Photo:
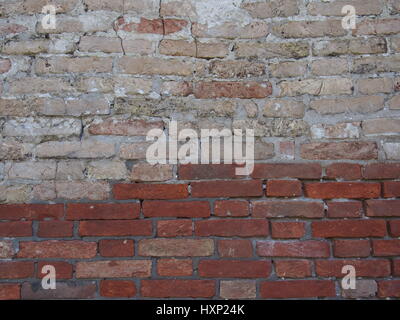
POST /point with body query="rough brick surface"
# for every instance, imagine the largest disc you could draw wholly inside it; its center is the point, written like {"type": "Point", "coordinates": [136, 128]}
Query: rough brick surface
{"type": "Point", "coordinates": [82, 188]}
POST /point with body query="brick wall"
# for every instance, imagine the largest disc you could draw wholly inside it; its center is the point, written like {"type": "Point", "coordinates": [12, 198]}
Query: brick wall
{"type": "Point", "coordinates": [76, 191]}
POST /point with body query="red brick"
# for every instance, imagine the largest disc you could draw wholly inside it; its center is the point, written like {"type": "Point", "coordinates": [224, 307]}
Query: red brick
{"type": "Point", "coordinates": [31, 211]}
{"type": "Point", "coordinates": [235, 248]}
{"type": "Point", "coordinates": [351, 248]}
{"type": "Point", "coordinates": [63, 269]}
{"type": "Point", "coordinates": [287, 230]}
{"type": "Point", "coordinates": [386, 248]}
{"type": "Point", "coordinates": [293, 268]}
{"type": "Point", "coordinates": [108, 228]}
{"type": "Point", "coordinates": [117, 288]}
{"type": "Point", "coordinates": [230, 89]}
{"type": "Point", "coordinates": [99, 211]}
{"type": "Point", "coordinates": [55, 229]}
{"type": "Point", "coordinates": [174, 228]}
{"type": "Point", "coordinates": [232, 228]}
{"type": "Point", "coordinates": [16, 269]}
{"type": "Point", "coordinates": [175, 267]}
{"type": "Point", "coordinates": [10, 291]}
{"type": "Point", "coordinates": [125, 191]}
{"type": "Point", "coordinates": [116, 248]}
{"type": "Point", "coordinates": [287, 170]}
{"type": "Point", "coordinates": [382, 171]}
{"type": "Point", "coordinates": [234, 269]}
{"type": "Point", "coordinates": [283, 188]}
{"type": "Point", "coordinates": [220, 189]}
{"type": "Point", "coordinates": [364, 268]}
{"type": "Point", "coordinates": [176, 247]}
{"type": "Point", "coordinates": [391, 189]}
{"type": "Point", "coordinates": [396, 267]}
{"type": "Point", "coordinates": [187, 209]}
{"type": "Point", "coordinates": [395, 228]}
{"type": "Point", "coordinates": [350, 190]}
{"type": "Point", "coordinates": [231, 208]}
{"type": "Point", "coordinates": [280, 209]}
{"type": "Point", "coordinates": [389, 288]}
{"type": "Point", "coordinates": [113, 269]}
{"type": "Point", "coordinates": [178, 288]}
{"type": "Point", "coordinates": [307, 248]}
{"type": "Point", "coordinates": [348, 209]}
{"type": "Point", "coordinates": [345, 171]}
{"type": "Point", "coordinates": [383, 208]}
{"type": "Point", "coordinates": [74, 249]}
{"type": "Point", "coordinates": [207, 171]}
{"type": "Point", "coordinates": [16, 229]}
{"type": "Point", "coordinates": [297, 289]}
{"type": "Point", "coordinates": [349, 228]}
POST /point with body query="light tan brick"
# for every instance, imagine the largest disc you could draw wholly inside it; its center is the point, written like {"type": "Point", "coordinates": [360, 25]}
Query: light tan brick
{"type": "Point", "coordinates": [298, 49]}
{"type": "Point", "coordinates": [334, 8]}
{"type": "Point", "coordinates": [382, 126]}
{"type": "Point", "coordinates": [148, 172]}
{"type": "Point", "coordinates": [32, 170]}
{"type": "Point", "coordinates": [74, 190]}
{"type": "Point", "coordinates": [282, 108]}
{"type": "Point", "coordinates": [337, 131]}
{"type": "Point", "coordinates": [350, 46]}
{"type": "Point", "coordinates": [375, 85]}
{"type": "Point", "coordinates": [75, 149]}
{"type": "Point", "coordinates": [287, 69]}
{"type": "Point", "coordinates": [316, 87]}
{"type": "Point", "coordinates": [309, 29]}
{"type": "Point", "coordinates": [107, 170]}
{"type": "Point", "coordinates": [329, 67]}
{"type": "Point", "coordinates": [74, 65]}
{"type": "Point", "coordinates": [271, 9]}
{"type": "Point", "coordinates": [362, 105]}
{"type": "Point", "coordinates": [231, 30]}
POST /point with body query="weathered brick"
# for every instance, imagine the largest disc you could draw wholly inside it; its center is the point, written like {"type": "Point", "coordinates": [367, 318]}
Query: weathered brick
{"type": "Point", "coordinates": [280, 209]}
{"type": "Point", "coordinates": [6, 249]}
{"type": "Point", "coordinates": [31, 211]}
{"type": "Point", "coordinates": [152, 66]}
{"type": "Point", "coordinates": [231, 228]}
{"type": "Point", "coordinates": [99, 228]}
{"type": "Point", "coordinates": [339, 150]}
{"type": "Point", "coordinates": [342, 130]}
{"type": "Point", "coordinates": [297, 289]}
{"type": "Point", "coordinates": [102, 211]}
{"type": "Point", "coordinates": [150, 191]}
{"type": "Point", "coordinates": [307, 248]}
{"type": "Point", "coordinates": [174, 228]}
{"type": "Point", "coordinates": [73, 249]}
{"type": "Point", "coordinates": [75, 190]}
{"type": "Point", "coordinates": [350, 190]}
{"type": "Point", "coordinates": [235, 248]}
{"type": "Point", "coordinates": [346, 171]}
{"type": "Point", "coordinates": [117, 288]}
{"type": "Point", "coordinates": [364, 268]}
{"type": "Point", "coordinates": [230, 30]}
{"type": "Point", "coordinates": [176, 247]}
{"type": "Point", "coordinates": [386, 248]}
{"type": "Point", "coordinates": [309, 29]}
{"type": "Point", "coordinates": [73, 65]}
{"type": "Point", "coordinates": [383, 208]}
{"type": "Point", "coordinates": [148, 172]}
{"type": "Point", "coordinates": [364, 289]}
{"type": "Point", "coordinates": [124, 127]}
{"type": "Point", "coordinates": [64, 270]}
{"type": "Point", "coordinates": [64, 290]}
{"type": "Point", "coordinates": [294, 50]}
{"type": "Point", "coordinates": [113, 269]}
{"type": "Point", "coordinates": [329, 67]}
{"type": "Point", "coordinates": [284, 109]}
{"type": "Point", "coordinates": [194, 49]}
{"type": "Point", "coordinates": [231, 208]}
{"type": "Point", "coordinates": [352, 46]}
{"type": "Point", "coordinates": [392, 150]}
{"type": "Point", "coordinates": [287, 170]}
{"type": "Point", "coordinates": [351, 105]}
{"type": "Point", "coordinates": [349, 228]}
{"type": "Point", "coordinates": [175, 267]}
{"type": "Point", "coordinates": [234, 269]}
{"type": "Point", "coordinates": [381, 126]}
{"type": "Point", "coordinates": [116, 248]}
{"type": "Point", "coordinates": [16, 269]}
{"type": "Point", "coordinates": [351, 248]}
{"type": "Point", "coordinates": [178, 288]}
{"type": "Point", "coordinates": [284, 188]}
{"type": "Point", "coordinates": [243, 90]}
{"type": "Point", "coordinates": [190, 209]}
{"type": "Point", "coordinates": [288, 230]}
{"type": "Point", "coordinates": [363, 7]}
{"type": "Point", "coordinates": [10, 291]}
{"type": "Point", "coordinates": [236, 69]}
{"type": "Point", "coordinates": [241, 289]}
{"type": "Point", "coordinates": [210, 189]}
{"type": "Point", "coordinates": [377, 27]}
{"type": "Point", "coordinates": [271, 9]}
{"type": "Point", "coordinates": [293, 268]}
{"type": "Point", "coordinates": [375, 85]}
{"type": "Point", "coordinates": [55, 229]}
{"type": "Point", "coordinates": [316, 87]}
{"type": "Point", "coordinates": [348, 209]}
